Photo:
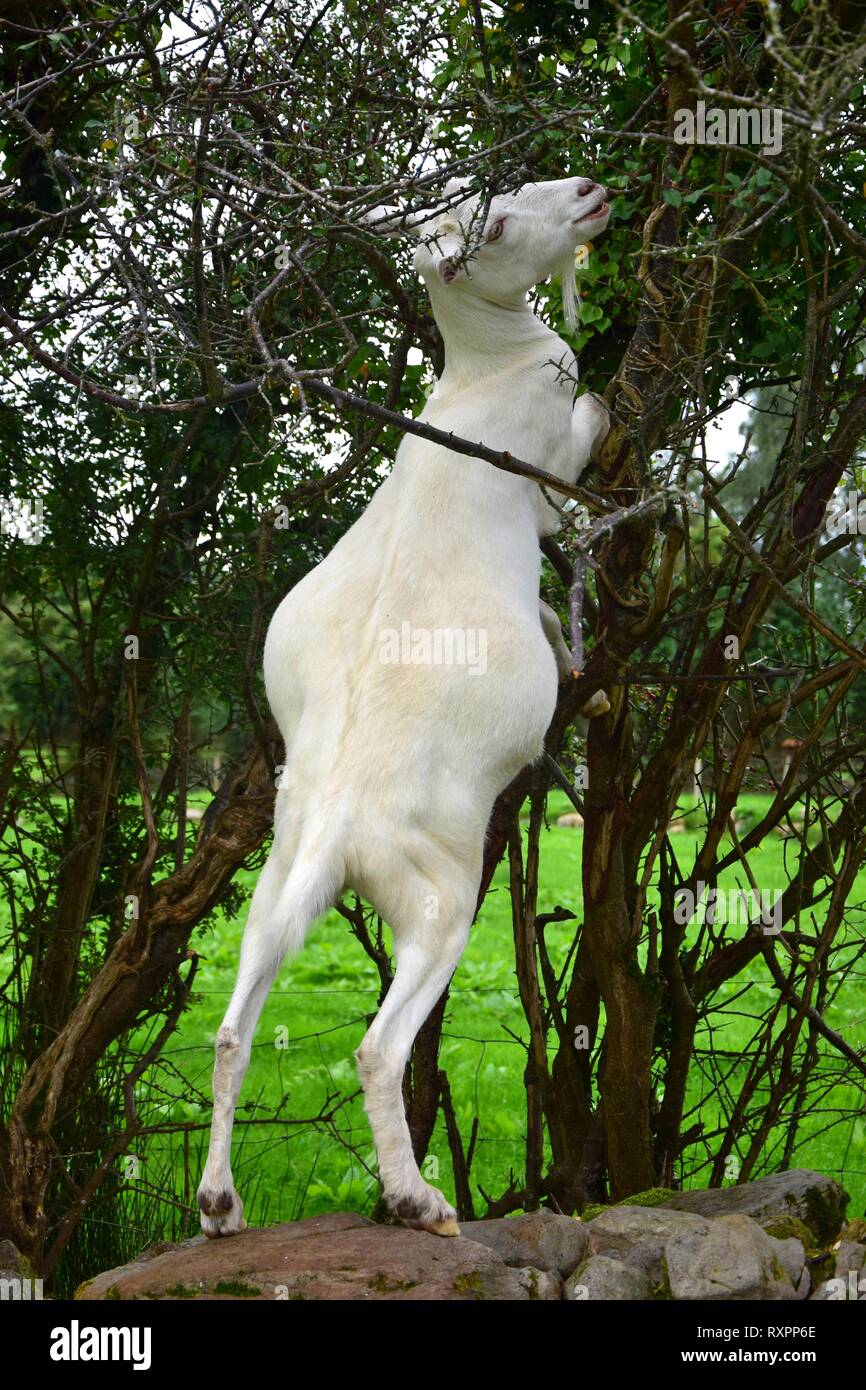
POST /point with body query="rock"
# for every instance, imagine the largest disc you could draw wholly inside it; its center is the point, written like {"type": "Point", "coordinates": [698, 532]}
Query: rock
{"type": "Point", "coordinates": [848, 1256]}
{"type": "Point", "coordinates": [599, 1277]}
{"type": "Point", "coordinates": [651, 1197]}
{"type": "Point", "coordinates": [637, 1235]}
{"type": "Point", "coordinates": [643, 1238]}
{"type": "Point", "coordinates": [791, 1256]}
{"type": "Point", "coordinates": [540, 1239]}
{"type": "Point", "coordinates": [573, 819]}
{"type": "Point", "coordinates": [13, 1264]}
{"type": "Point", "coordinates": [539, 1283]}
{"type": "Point", "coordinates": [338, 1256]}
{"type": "Point", "coordinates": [790, 1226]}
{"type": "Point", "coordinates": [817, 1201]}
{"type": "Point", "coordinates": [733, 1258]}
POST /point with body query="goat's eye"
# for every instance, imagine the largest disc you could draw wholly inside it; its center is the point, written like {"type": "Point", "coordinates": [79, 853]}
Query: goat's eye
{"type": "Point", "coordinates": [496, 230]}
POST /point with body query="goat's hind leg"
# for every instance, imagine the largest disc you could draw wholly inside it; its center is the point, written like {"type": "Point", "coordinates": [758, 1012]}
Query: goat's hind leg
{"type": "Point", "coordinates": [265, 943]}
{"type": "Point", "coordinates": [427, 954]}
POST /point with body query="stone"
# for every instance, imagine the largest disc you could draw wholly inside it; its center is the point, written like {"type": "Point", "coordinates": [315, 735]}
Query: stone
{"type": "Point", "coordinates": [13, 1264]}
{"type": "Point", "coordinates": [539, 1283]}
{"type": "Point", "coordinates": [600, 1278]}
{"type": "Point", "coordinates": [637, 1235]}
{"type": "Point", "coordinates": [733, 1258]}
{"type": "Point", "coordinates": [337, 1256]}
{"type": "Point", "coordinates": [791, 1256]}
{"type": "Point", "coordinates": [788, 1226]}
{"type": "Point", "coordinates": [848, 1256]}
{"type": "Point", "coordinates": [817, 1201]}
{"type": "Point", "coordinates": [572, 819]}
{"type": "Point", "coordinates": [540, 1239]}
{"type": "Point", "coordinates": [651, 1197]}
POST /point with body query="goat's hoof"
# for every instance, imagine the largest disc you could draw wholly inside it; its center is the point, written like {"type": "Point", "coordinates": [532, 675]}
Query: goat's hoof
{"type": "Point", "coordinates": [222, 1212]}
{"type": "Point", "coordinates": [450, 1227]}
{"type": "Point", "coordinates": [428, 1211]}
{"type": "Point", "coordinates": [599, 704]}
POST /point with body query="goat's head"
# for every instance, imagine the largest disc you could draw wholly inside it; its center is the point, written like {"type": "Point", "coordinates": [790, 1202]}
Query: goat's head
{"type": "Point", "coordinates": [500, 251]}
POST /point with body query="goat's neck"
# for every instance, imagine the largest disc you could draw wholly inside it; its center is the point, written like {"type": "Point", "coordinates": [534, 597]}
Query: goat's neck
{"type": "Point", "coordinates": [483, 338]}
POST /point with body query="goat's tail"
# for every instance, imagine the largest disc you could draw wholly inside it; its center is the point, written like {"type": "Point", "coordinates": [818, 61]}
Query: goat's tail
{"type": "Point", "coordinates": [313, 884]}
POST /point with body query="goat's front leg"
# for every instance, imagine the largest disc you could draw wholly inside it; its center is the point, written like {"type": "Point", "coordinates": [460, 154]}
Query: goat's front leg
{"type": "Point", "coordinates": [599, 703]}
{"type": "Point", "coordinates": [590, 426]}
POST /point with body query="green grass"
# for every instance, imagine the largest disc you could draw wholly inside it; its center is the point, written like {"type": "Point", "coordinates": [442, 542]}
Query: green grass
{"type": "Point", "coordinates": [318, 1007]}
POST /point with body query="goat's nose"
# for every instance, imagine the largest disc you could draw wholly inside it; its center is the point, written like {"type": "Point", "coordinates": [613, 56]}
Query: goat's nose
{"type": "Point", "coordinates": [584, 186]}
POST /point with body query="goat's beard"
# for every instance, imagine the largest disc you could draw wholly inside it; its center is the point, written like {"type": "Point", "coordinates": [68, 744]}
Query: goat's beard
{"type": "Point", "coordinates": [570, 296]}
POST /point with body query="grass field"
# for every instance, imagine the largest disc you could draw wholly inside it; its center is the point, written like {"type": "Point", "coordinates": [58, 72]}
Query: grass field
{"type": "Point", "coordinates": [317, 1010]}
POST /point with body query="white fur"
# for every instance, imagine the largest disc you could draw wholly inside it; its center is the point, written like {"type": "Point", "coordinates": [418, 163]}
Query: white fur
{"type": "Point", "coordinates": [392, 767]}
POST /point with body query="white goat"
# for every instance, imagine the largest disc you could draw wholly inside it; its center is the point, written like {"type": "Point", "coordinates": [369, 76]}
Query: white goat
{"type": "Point", "coordinates": [394, 758]}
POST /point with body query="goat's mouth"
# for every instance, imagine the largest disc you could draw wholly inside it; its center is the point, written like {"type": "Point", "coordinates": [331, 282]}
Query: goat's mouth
{"type": "Point", "coordinates": [602, 210]}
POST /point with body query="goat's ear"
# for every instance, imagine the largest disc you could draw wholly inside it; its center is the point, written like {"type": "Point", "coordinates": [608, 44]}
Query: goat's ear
{"type": "Point", "coordinates": [385, 219]}
{"type": "Point", "coordinates": [394, 221]}
{"type": "Point", "coordinates": [454, 186]}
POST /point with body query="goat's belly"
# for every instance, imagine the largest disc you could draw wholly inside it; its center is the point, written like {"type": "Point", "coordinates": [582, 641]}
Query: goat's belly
{"type": "Point", "coordinates": [467, 683]}
{"type": "Point", "coordinates": [483, 718]}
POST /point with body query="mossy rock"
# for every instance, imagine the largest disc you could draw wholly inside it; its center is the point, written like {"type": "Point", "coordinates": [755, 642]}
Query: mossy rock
{"type": "Point", "coordinates": [824, 1215]}
{"type": "Point", "coordinates": [653, 1197]}
{"type": "Point", "coordinates": [822, 1267]}
{"type": "Point", "coordinates": [236, 1288]}
{"type": "Point", "coordinates": [855, 1230]}
{"type": "Point", "coordinates": [791, 1227]}
{"type": "Point", "coordinates": [15, 1265]}
{"type": "Point", "coordinates": [470, 1284]}
{"type": "Point", "coordinates": [662, 1289]}
{"type": "Point", "coordinates": [383, 1283]}
{"type": "Point", "coordinates": [812, 1198]}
